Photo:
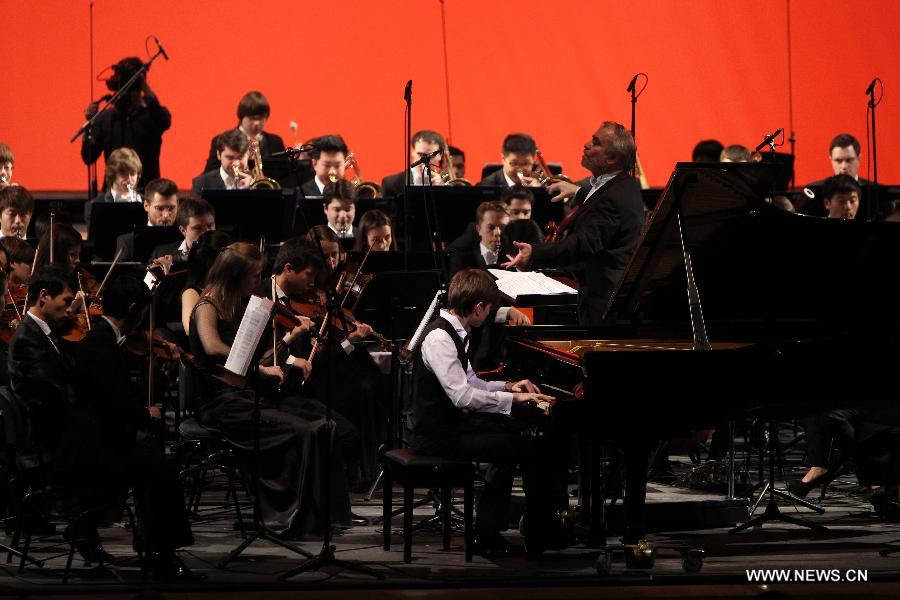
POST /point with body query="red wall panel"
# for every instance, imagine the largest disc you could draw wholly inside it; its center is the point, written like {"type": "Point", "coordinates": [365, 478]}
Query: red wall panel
{"type": "Point", "coordinates": [553, 69]}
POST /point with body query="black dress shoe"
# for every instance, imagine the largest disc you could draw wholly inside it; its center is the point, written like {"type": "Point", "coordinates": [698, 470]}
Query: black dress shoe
{"type": "Point", "coordinates": [357, 520]}
{"type": "Point", "coordinates": [172, 569]}
{"type": "Point", "coordinates": [89, 547]}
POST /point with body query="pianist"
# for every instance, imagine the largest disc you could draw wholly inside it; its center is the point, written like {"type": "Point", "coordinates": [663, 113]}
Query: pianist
{"type": "Point", "coordinates": [455, 414]}
{"type": "Point", "coordinates": [598, 236]}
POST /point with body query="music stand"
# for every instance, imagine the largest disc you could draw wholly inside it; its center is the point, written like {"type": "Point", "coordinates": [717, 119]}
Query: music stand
{"type": "Point", "coordinates": [109, 220]}
{"type": "Point", "coordinates": [288, 173]}
{"type": "Point", "coordinates": [455, 207]}
{"type": "Point", "coordinates": [146, 238]}
{"type": "Point", "coordinates": [249, 214]}
{"type": "Point", "coordinates": [393, 301]}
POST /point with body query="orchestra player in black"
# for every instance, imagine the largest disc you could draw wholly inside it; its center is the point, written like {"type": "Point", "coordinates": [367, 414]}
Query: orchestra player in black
{"type": "Point", "coordinates": [600, 233]}
{"type": "Point", "coordinates": [455, 414]}
{"type": "Point", "coordinates": [252, 113]}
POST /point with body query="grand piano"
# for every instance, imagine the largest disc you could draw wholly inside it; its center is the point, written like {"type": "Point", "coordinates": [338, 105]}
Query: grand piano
{"type": "Point", "coordinates": [786, 312]}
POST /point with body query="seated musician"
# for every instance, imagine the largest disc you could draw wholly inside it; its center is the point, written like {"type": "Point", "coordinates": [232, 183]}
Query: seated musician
{"type": "Point", "coordinates": [842, 195]}
{"type": "Point", "coordinates": [288, 472]}
{"type": "Point", "coordinates": [599, 235]}
{"type": "Point", "coordinates": [161, 204]}
{"type": "Point", "coordinates": [201, 257]}
{"type": "Point", "coordinates": [521, 226]}
{"type": "Point", "coordinates": [458, 158]}
{"type": "Point", "coordinates": [479, 247]}
{"type": "Point", "coordinates": [231, 173]}
{"type": "Point", "coordinates": [454, 415]}
{"type": "Point", "coordinates": [67, 256]}
{"type": "Point", "coordinates": [518, 159]}
{"type": "Point", "coordinates": [16, 208]}
{"type": "Point", "coordinates": [253, 114]}
{"type": "Point", "coordinates": [339, 204]}
{"type": "Point", "coordinates": [421, 144]}
{"type": "Point", "coordinates": [707, 151]}
{"type": "Point", "coordinates": [195, 217]}
{"type": "Point", "coordinates": [7, 164]}
{"type": "Point", "coordinates": [374, 232]}
{"type": "Point", "coordinates": [844, 155]}
{"type": "Point", "coordinates": [118, 450]}
{"type": "Point", "coordinates": [123, 170]}
{"type": "Point", "coordinates": [329, 154]}
{"type": "Point", "coordinates": [735, 153]}
{"type": "Point", "coordinates": [332, 252]}
{"type": "Point", "coordinates": [20, 257]}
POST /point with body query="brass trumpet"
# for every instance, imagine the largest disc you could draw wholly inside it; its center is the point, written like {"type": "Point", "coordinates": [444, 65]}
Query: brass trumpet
{"type": "Point", "coordinates": [542, 171]}
{"type": "Point", "coordinates": [448, 173]}
{"type": "Point", "coordinates": [364, 189]}
{"type": "Point", "coordinates": [260, 181]}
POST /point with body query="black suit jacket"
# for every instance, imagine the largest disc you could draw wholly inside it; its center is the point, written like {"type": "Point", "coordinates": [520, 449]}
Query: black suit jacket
{"type": "Point", "coordinates": [497, 178]}
{"type": "Point", "coordinates": [598, 244]}
{"type": "Point", "coordinates": [310, 188]}
{"type": "Point", "coordinates": [165, 249]}
{"type": "Point", "coordinates": [211, 180]}
{"type": "Point", "coordinates": [269, 144]}
{"type": "Point", "coordinates": [41, 379]}
{"type": "Point", "coordinates": [394, 185]}
{"type": "Point", "coordinates": [816, 206]}
{"type": "Point", "coordinates": [465, 251]}
{"type": "Point", "coordinates": [125, 243]}
{"type": "Point", "coordinates": [103, 387]}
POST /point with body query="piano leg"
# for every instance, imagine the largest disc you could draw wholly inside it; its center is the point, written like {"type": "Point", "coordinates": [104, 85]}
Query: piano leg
{"type": "Point", "coordinates": [636, 463]}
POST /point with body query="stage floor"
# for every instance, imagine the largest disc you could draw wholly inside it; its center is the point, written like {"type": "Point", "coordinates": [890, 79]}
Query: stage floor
{"type": "Point", "coordinates": [853, 542]}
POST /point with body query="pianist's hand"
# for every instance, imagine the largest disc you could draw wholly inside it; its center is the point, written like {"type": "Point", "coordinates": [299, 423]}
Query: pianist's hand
{"type": "Point", "coordinates": [523, 385]}
{"type": "Point", "coordinates": [521, 259]}
{"type": "Point", "coordinates": [528, 397]}
{"type": "Point", "coordinates": [517, 317]}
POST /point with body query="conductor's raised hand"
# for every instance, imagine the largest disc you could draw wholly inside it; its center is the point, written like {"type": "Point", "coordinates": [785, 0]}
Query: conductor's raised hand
{"type": "Point", "coordinates": [562, 190]}
{"type": "Point", "coordinates": [521, 259]}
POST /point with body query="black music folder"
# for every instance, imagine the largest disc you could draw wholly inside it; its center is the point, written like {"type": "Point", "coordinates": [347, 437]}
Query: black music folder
{"type": "Point", "coordinates": [109, 220]}
{"type": "Point", "coordinates": [249, 214]}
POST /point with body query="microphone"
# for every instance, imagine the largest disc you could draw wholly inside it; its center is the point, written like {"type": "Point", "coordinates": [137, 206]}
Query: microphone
{"type": "Point", "coordinates": [871, 86]}
{"type": "Point", "coordinates": [426, 158]}
{"type": "Point", "coordinates": [633, 81]}
{"type": "Point", "coordinates": [295, 151]}
{"type": "Point", "coordinates": [407, 92]}
{"type": "Point", "coordinates": [769, 139]}
{"type": "Point", "coordinates": [161, 49]}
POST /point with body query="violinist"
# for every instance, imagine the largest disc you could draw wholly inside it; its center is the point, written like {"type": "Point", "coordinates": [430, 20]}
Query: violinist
{"type": "Point", "coordinates": [332, 251]}
{"type": "Point", "coordinates": [200, 258]}
{"type": "Point", "coordinates": [288, 470]}
{"type": "Point", "coordinates": [118, 447]}
{"type": "Point", "coordinates": [16, 208]}
{"type": "Point", "coordinates": [67, 255]}
{"type": "Point", "coordinates": [195, 217]}
{"type": "Point", "coordinates": [375, 232]}
{"type": "Point", "coordinates": [20, 256]}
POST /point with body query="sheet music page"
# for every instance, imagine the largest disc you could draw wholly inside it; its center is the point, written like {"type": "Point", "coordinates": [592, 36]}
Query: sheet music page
{"type": "Point", "coordinates": [254, 322]}
{"type": "Point", "coordinates": [530, 283]}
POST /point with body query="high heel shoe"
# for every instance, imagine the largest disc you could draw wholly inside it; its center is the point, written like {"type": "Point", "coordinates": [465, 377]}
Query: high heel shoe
{"type": "Point", "coordinates": [801, 489]}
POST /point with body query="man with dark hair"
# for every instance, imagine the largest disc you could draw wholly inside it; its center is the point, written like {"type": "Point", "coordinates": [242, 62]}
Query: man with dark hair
{"type": "Point", "coordinates": [842, 194]}
{"type": "Point", "coordinates": [195, 217]}
{"type": "Point", "coordinates": [232, 152]}
{"type": "Point", "coordinates": [137, 121]}
{"type": "Point", "coordinates": [453, 416]}
{"type": "Point", "coordinates": [707, 151]}
{"type": "Point", "coordinates": [16, 208]}
{"type": "Point", "coordinates": [599, 235]}
{"type": "Point", "coordinates": [252, 113]}
{"type": "Point", "coordinates": [339, 204]}
{"type": "Point", "coordinates": [480, 247]}
{"type": "Point", "coordinates": [117, 449]}
{"type": "Point", "coordinates": [20, 257]}
{"type": "Point", "coordinates": [518, 157]}
{"type": "Point", "coordinates": [421, 144]}
{"type": "Point", "coordinates": [329, 154]}
{"type": "Point", "coordinates": [520, 201]}
{"type": "Point", "coordinates": [161, 204]}
{"type": "Point", "coordinates": [844, 154]}
{"type": "Point", "coordinates": [458, 158]}
{"type": "Point", "coordinates": [735, 153]}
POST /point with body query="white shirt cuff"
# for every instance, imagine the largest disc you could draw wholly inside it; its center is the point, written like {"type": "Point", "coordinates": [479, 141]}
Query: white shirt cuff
{"type": "Point", "coordinates": [347, 345]}
{"type": "Point", "coordinates": [502, 314]}
{"type": "Point", "coordinates": [504, 402]}
{"type": "Point", "coordinates": [291, 359]}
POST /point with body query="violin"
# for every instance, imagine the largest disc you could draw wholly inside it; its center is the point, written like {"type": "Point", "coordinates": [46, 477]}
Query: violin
{"type": "Point", "coordinates": [140, 344]}
{"type": "Point", "coordinates": [344, 323]}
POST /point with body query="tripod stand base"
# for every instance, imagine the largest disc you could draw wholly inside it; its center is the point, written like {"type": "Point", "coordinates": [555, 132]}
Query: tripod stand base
{"type": "Point", "coordinates": [326, 559]}
{"type": "Point", "coordinates": [262, 534]}
{"type": "Point", "coordinates": [773, 513]}
{"type": "Point", "coordinates": [769, 488]}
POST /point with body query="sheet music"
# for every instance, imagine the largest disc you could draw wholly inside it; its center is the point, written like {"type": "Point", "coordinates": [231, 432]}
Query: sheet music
{"type": "Point", "coordinates": [514, 284]}
{"type": "Point", "coordinates": [255, 319]}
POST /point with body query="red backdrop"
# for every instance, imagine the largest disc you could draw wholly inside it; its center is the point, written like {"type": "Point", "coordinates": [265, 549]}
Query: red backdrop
{"type": "Point", "coordinates": [718, 69]}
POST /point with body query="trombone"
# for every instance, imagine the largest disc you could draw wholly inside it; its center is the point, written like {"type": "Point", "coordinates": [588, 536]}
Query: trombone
{"type": "Point", "coordinates": [448, 173]}
{"type": "Point", "coordinates": [364, 189]}
{"type": "Point", "coordinates": [259, 181]}
{"type": "Point", "coordinates": [542, 171]}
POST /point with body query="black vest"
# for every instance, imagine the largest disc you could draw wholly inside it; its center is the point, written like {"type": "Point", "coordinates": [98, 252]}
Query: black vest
{"type": "Point", "coordinates": [433, 413]}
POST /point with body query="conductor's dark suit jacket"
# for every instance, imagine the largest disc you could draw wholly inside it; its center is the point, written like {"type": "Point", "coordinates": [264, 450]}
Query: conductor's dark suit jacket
{"type": "Point", "coordinates": [598, 244]}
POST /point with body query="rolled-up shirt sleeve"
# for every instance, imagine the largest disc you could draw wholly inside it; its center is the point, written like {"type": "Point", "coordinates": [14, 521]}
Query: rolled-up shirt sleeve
{"type": "Point", "coordinates": [464, 388]}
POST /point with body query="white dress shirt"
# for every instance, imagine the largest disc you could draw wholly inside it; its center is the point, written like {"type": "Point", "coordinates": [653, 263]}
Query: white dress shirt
{"type": "Point", "coordinates": [230, 183]}
{"type": "Point", "coordinates": [350, 233]}
{"type": "Point", "coordinates": [319, 185]}
{"type": "Point", "coordinates": [599, 182]}
{"type": "Point", "coordinates": [464, 388]}
{"type": "Point", "coordinates": [45, 328]}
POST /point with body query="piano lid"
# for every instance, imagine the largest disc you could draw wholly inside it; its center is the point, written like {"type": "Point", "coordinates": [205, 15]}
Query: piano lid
{"type": "Point", "coordinates": [753, 261]}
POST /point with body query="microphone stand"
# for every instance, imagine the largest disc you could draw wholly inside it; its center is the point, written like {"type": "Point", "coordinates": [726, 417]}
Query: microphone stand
{"type": "Point", "coordinates": [407, 132]}
{"type": "Point", "coordinates": [874, 197]}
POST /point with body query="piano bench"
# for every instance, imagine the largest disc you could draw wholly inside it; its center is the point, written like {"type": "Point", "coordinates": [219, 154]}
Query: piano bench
{"type": "Point", "coordinates": [411, 470]}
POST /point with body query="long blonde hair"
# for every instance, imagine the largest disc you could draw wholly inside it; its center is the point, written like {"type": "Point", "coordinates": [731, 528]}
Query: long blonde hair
{"type": "Point", "coordinates": [231, 268]}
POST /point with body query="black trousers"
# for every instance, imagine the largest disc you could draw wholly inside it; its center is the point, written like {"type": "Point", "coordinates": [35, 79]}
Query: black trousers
{"type": "Point", "coordinates": [499, 442]}
{"type": "Point", "coordinates": [827, 430]}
